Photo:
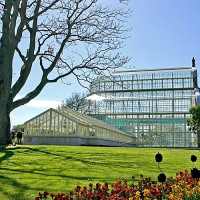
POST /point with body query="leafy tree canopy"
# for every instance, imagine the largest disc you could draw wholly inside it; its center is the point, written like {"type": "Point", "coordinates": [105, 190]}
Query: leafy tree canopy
{"type": "Point", "coordinates": [194, 122]}
{"type": "Point", "coordinates": [18, 127]}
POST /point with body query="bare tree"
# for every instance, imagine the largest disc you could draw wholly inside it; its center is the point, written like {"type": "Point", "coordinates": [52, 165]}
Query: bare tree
{"type": "Point", "coordinates": [74, 37]}
{"type": "Point", "coordinates": [75, 101]}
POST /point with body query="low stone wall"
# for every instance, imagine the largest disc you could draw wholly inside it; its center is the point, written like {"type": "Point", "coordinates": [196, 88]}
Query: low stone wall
{"type": "Point", "coordinates": [72, 140]}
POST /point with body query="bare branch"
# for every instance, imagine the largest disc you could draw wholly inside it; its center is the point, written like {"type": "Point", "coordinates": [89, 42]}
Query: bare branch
{"type": "Point", "coordinates": [75, 101]}
{"type": "Point", "coordinates": [43, 11]}
{"type": "Point", "coordinates": [53, 27]}
{"type": "Point", "coordinates": [21, 55]}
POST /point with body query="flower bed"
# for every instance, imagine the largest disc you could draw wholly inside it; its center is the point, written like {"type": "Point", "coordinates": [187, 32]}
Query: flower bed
{"type": "Point", "coordinates": [184, 186]}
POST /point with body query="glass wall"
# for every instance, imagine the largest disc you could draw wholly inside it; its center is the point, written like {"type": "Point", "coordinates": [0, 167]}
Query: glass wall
{"type": "Point", "coordinates": [152, 105]}
{"type": "Point", "coordinates": [69, 122]}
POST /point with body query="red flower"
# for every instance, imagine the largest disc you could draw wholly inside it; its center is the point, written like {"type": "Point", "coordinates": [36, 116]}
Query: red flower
{"type": "Point", "coordinates": [112, 191]}
{"type": "Point", "coordinates": [119, 191]}
{"type": "Point", "coordinates": [181, 173]}
{"type": "Point", "coordinates": [90, 185]}
{"type": "Point", "coordinates": [52, 195]}
{"type": "Point", "coordinates": [84, 188]}
{"type": "Point", "coordinates": [148, 179]}
{"type": "Point", "coordinates": [98, 186]}
{"type": "Point", "coordinates": [89, 195]}
{"type": "Point", "coordinates": [77, 189]}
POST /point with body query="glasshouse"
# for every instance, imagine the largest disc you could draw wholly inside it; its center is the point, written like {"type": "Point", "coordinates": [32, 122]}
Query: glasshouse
{"type": "Point", "coordinates": [68, 127]}
{"type": "Point", "coordinates": [151, 105]}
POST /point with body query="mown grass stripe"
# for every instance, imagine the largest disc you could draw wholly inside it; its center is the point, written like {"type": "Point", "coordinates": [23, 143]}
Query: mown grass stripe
{"type": "Point", "coordinates": [27, 170]}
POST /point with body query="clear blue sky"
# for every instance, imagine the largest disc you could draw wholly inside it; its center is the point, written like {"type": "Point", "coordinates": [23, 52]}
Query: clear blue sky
{"type": "Point", "coordinates": [165, 34]}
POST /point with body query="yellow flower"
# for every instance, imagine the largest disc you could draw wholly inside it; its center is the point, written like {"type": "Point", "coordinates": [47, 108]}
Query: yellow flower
{"type": "Point", "coordinates": [137, 194]}
{"type": "Point", "coordinates": [146, 192]}
{"type": "Point", "coordinates": [171, 197]}
{"type": "Point", "coordinates": [177, 189]}
{"type": "Point", "coordinates": [188, 187]}
{"type": "Point", "coordinates": [181, 195]}
{"type": "Point", "coordinates": [182, 183]}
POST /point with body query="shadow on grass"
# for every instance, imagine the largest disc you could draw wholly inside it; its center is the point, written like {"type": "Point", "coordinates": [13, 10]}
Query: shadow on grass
{"type": "Point", "coordinates": [80, 157]}
{"type": "Point", "coordinates": [14, 189]}
{"type": "Point", "coordinates": [7, 154]}
{"type": "Point", "coordinates": [62, 176]}
{"type": "Point", "coordinates": [18, 193]}
{"type": "Point", "coordinates": [11, 188]}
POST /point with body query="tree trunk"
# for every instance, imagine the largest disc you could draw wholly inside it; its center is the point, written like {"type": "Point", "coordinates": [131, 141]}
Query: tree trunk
{"type": "Point", "coordinates": [5, 104]}
{"type": "Point", "coordinates": [4, 127]}
{"type": "Point", "coordinates": [5, 95]}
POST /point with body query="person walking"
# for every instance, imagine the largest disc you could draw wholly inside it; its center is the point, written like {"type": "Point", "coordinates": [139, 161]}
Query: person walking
{"type": "Point", "coordinates": [13, 137]}
{"type": "Point", "coordinates": [19, 137]}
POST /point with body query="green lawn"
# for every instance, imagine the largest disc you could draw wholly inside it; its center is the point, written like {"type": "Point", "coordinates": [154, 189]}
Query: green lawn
{"type": "Point", "coordinates": [26, 170]}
